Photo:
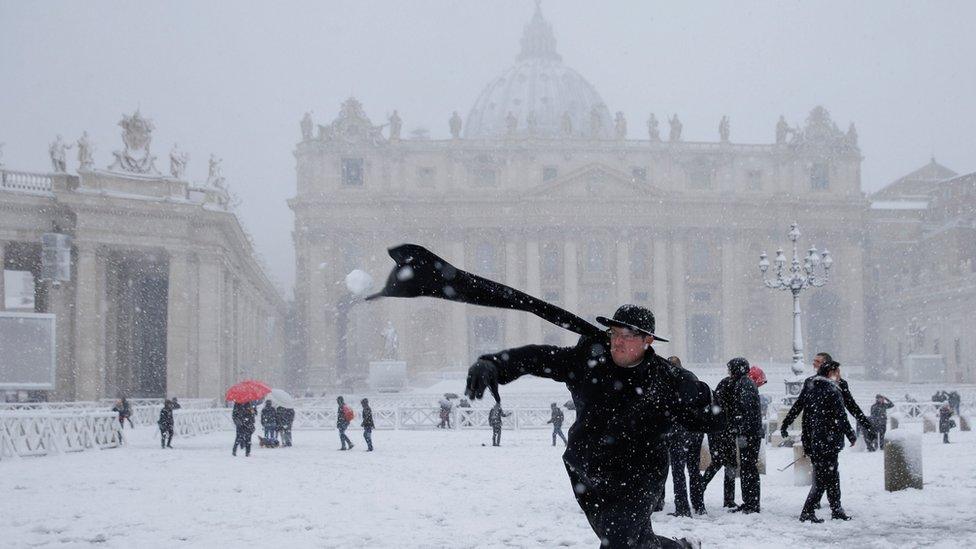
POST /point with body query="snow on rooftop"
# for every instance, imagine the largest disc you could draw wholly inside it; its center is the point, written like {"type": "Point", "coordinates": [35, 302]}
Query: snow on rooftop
{"type": "Point", "coordinates": [899, 205]}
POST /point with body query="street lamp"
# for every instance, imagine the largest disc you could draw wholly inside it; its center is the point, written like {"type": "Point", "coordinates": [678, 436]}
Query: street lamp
{"type": "Point", "coordinates": [814, 271]}
{"type": "Point", "coordinates": [358, 284]}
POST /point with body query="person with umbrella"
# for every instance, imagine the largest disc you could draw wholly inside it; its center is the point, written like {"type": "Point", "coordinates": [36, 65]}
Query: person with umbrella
{"type": "Point", "coordinates": [244, 395]}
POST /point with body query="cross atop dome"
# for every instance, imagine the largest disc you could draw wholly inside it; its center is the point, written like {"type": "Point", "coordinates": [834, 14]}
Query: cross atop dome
{"type": "Point", "coordinates": [538, 40]}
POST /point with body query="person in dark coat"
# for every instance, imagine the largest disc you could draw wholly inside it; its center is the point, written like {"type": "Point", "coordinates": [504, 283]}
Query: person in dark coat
{"type": "Point", "coordinates": [684, 449]}
{"type": "Point", "coordinates": [284, 417]}
{"type": "Point", "coordinates": [722, 450]}
{"type": "Point", "coordinates": [368, 424]}
{"type": "Point", "coordinates": [124, 410]}
{"type": "Point", "coordinates": [175, 403]}
{"type": "Point", "coordinates": [342, 423]}
{"type": "Point", "coordinates": [824, 427]}
{"type": "Point", "coordinates": [945, 422]}
{"type": "Point", "coordinates": [165, 423]}
{"type": "Point", "coordinates": [955, 401]}
{"type": "Point", "coordinates": [557, 424]}
{"type": "Point", "coordinates": [495, 420]}
{"type": "Point", "coordinates": [626, 398]}
{"type": "Point", "coordinates": [744, 414]}
{"type": "Point", "coordinates": [269, 422]}
{"type": "Point", "coordinates": [879, 418]}
{"type": "Point", "coordinates": [243, 416]}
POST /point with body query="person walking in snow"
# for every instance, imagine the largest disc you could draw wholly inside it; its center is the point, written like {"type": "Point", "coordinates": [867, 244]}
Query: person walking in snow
{"type": "Point", "coordinates": [445, 413]}
{"type": "Point", "coordinates": [344, 417]}
{"type": "Point", "coordinates": [879, 418]}
{"type": "Point", "coordinates": [269, 422]}
{"type": "Point", "coordinates": [945, 422]}
{"type": "Point", "coordinates": [124, 410]}
{"type": "Point", "coordinates": [824, 426]}
{"type": "Point", "coordinates": [368, 424]}
{"type": "Point", "coordinates": [165, 423]}
{"type": "Point", "coordinates": [557, 423]}
{"type": "Point", "coordinates": [684, 449]}
{"type": "Point", "coordinates": [722, 450]}
{"type": "Point", "coordinates": [243, 416]}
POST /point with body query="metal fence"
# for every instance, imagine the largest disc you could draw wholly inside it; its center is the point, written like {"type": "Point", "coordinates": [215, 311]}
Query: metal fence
{"type": "Point", "coordinates": [43, 432]}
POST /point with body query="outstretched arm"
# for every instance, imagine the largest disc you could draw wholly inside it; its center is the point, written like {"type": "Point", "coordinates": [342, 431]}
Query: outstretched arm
{"type": "Point", "coordinates": [504, 367]}
{"type": "Point", "coordinates": [853, 408]}
{"type": "Point", "coordinates": [794, 410]}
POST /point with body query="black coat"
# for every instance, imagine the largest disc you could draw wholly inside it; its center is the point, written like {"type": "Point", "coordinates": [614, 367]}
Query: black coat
{"type": "Point", "coordinates": [945, 420]}
{"type": "Point", "coordinates": [880, 410]}
{"type": "Point", "coordinates": [557, 418]}
{"type": "Point", "coordinates": [824, 420]}
{"type": "Point", "coordinates": [848, 399]}
{"type": "Point", "coordinates": [368, 418]}
{"type": "Point", "coordinates": [284, 417]}
{"type": "Point", "coordinates": [495, 416]}
{"type": "Point", "coordinates": [243, 417]}
{"type": "Point", "coordinates": [269, 417]}
{"type": "Point", "coordinates": [165, 420]}
{"type": "Point", "coordinates": [743, 409]}
{"type": "Point", "coordinates": [721, 444]}
{"type": "Point", "coordinates": [622, 414]}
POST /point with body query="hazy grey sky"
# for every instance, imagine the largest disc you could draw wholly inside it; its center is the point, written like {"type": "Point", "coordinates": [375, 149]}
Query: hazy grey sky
{"type": "Point", "coordinates": [234, 78]}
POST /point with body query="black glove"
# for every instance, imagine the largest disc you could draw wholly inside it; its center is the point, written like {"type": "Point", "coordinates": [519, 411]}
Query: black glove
{"type": "Point", "coordinates": [784, 433]}
{"type": "Point", "coordinates": [482, 375]}
{"type": "Point", "coordinates": [853, 439]}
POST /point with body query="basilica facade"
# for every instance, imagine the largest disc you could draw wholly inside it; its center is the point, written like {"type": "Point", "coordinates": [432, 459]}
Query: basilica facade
{"type": "Point", "coordinates": [542, 188]}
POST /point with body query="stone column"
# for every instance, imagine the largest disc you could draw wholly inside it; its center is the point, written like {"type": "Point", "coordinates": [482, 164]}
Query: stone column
{"type": "Point", "coordinates": [513, 332]}
{"type": "Point", "coordinates": [210, 325]}
{"type": "Point", "coordinates": [570, 284]}
{"type": "Point", "coordinates": [853, 294]}
{"type": "Point", "coordinates": [178, 310]}
{"type": "Point", "coordinates": [623, 274]}
{"type": "Point", "coordinates": [680, 331]}
{"type": "Point", "coordinates": [3, 298]}
{"type": "Point", "coordinates": [458, 311]}
{"type": "Point", "coordinates": [90, 324]}
{"type": "Point", "coordinates": [732, 343]}
{"type": "Point", "coordinates": [659, 305]}
{"type": "Point", "coordinates": [533, 284]}
{"type": "Point", "coordinates": [61, 303]}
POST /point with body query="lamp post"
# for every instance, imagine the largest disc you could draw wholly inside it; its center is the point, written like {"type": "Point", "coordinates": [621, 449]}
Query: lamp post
{"type": "Point", "coordinates": [358, 284]}
{"type": "Point", "coordinates": [814, 271]}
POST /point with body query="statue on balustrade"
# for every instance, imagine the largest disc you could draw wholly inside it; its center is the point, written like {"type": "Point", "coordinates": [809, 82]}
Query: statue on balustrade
{"type": "Point", "coordinates": [85, 150]}
{"type": "Point", "coordinates": [59, 152]}
{"type": "Point", "coordinates": [177, 161]}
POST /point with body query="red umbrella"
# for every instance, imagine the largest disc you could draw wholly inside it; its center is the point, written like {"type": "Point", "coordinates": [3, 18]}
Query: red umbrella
{"type": "Point", "coordinates": [248, 390]}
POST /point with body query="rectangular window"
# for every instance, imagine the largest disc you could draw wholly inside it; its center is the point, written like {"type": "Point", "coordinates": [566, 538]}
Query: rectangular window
{"type": "Point", "coordinates": [484, 177]}
{"type": "Point", "coordinates": [640, 297]}
{"type": "Point", "coordinates": [426, 176]}
{"type": "Point", "coordinates": [820, 176]}
{"type": "Point", "coordinates": [701, 297]}
{"type": "Point", "coordinates": [700, 178]}
{"type": "Point", "coordinates": [551, 297]}
{"type": "Point", "coordinates": [352, 172]}
{"type": "Point", "coordinates": [638, 174]}
{"type": "Point", "coordinates": [549, 173]}
{"type": "Point", "coordinates": [754, 180]}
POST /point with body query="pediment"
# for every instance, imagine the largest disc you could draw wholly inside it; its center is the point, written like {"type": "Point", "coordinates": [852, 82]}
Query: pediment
{"type": "Point", "coordinates": [591, 181]}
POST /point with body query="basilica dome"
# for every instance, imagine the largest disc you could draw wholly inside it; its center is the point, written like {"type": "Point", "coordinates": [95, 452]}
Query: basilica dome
{"type": "Point", "coordinates": [539, 96]}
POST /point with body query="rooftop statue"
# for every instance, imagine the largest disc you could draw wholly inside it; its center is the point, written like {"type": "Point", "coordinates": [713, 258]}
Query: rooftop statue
{"type": "Point", "coordinates": [396, 124]}
{"type": "Point", "coordinates": [723, 129]}
{"type": "Point", "coordinates": [653, 133]}
{"type": "Point", "coordinates": [620, 126]}
{"type": "Point", "coordinates": [136, 136]}
{"type": "Point", "coordinates": [177, 161]}
{"type": "Point", "coordinates": [58, 151]}
{"type": "Point", "coordinates": [676, 126]}
{"type": "Point", "coordinates": [455, 124]}
{"type": "Point", "coordinates": [85, 150]}
{"type": "Point", "coordinates": [306, 125]}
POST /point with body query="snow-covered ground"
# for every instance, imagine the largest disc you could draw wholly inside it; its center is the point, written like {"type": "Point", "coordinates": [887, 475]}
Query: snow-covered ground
{"type": "Point", "coordinates": [432, 489]}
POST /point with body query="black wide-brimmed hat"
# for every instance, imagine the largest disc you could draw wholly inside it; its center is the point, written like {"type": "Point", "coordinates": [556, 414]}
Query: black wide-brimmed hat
{"type": "Point", "coordinates": [633, 317]}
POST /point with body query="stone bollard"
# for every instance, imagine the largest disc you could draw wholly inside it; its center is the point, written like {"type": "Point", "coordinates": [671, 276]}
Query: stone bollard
{"type": "Point", "coordinates": [928, 424]}
{"type": "Point", "coordinates": [964, 424]}
{"type": "Point", "coordinates": [802, 469]}
{"type": "Point", "coordinates": [705, 456]}
{"type": "Point", "coordinates": [903, 461]}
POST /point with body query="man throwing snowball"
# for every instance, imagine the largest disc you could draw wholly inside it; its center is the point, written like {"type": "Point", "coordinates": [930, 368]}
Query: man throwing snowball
{"type": "Point", "coordinates": [626, 398]}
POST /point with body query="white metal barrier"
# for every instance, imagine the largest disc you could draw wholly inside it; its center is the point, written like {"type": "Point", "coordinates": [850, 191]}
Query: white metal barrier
{"type": "Point", "coordinates": [37, 433]}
